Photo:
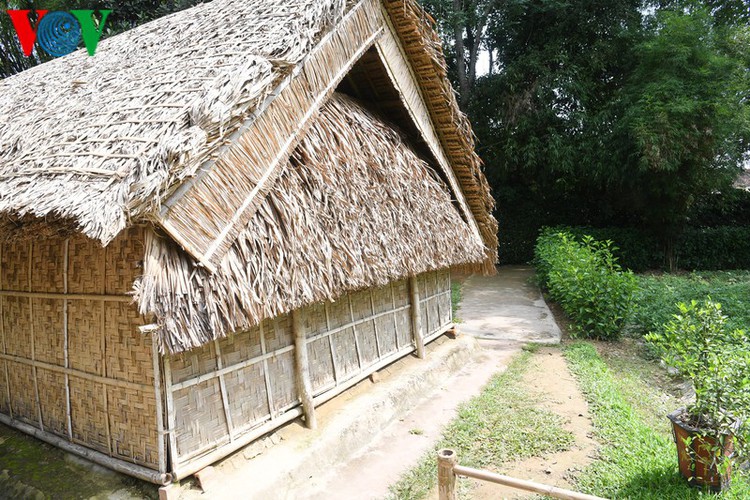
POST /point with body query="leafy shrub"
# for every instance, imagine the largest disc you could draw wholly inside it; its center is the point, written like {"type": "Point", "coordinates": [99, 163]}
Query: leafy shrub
{"type": "Point", "coordinates": [635, 250]}
{"type": "Point", "coordinates": [586, 280]}
{"type": "Point", "coordinates": [716, 359]}
{"type": "Point", "coordinates": [657, 295]}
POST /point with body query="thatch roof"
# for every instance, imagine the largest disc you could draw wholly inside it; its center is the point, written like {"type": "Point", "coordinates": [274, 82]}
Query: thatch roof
{"type": "Point", "coordinates": [234, 151]}
{"type": "Point", "coordinates": [355, 207]}
{"type": "Point", "coordinates": [100, 140]}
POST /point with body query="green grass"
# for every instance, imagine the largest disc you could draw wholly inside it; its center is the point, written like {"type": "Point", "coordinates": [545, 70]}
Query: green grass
{"type": "Point", "coordinates": [637, 458]}
{"type": "Point", "coordinates": [501, 424]}
{"type": "Point", "coordinates": [657, 296]}
{"type": "Point", "coordinates": [37, 470]}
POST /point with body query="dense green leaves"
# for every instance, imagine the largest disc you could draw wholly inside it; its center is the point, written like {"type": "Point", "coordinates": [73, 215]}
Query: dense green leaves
{"type": "Point", "coordinates": [585, 279]}
{"type": "Point", "coordinates": [685, 117]}
{"type": "Point", "coordinates": [658, 294]}
{"type": "Point", "coordinates": [716, 359]}
{"type": "Point", "coordinates": [696, 248]}
{"type": "Point", "coordinates": [623, 113]}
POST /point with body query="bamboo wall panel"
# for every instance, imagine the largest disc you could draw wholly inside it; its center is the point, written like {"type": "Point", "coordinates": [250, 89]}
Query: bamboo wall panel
{"type": "Point", "coordinates": [49, 331]}
{"type": "Point", "coordinates": [346, 340]}
{"type": "Point", "coordinates": [199, 417]}
{"type": "Point", "coordinates": [192, 364]}
{"type": "Point", "coordinates": [52, 398]}
{"type": "Point", "coordinates": [88, 414]}
{"type": "Point", "coordinates": [133, 409]}
{"type": "Point", "coordinates": [283, 388]}
{"type": "Point", "coordinates": [248, 399]}
{"type": "Point", "coordinates": [236, 348]}
{"type": "Point", "coordinates": [402, 318]}
{"type": "Point", "coordinates": [85, 318]}
{"type": "Point", "coordinates": [128, 352]}
{"type": "Point", "coordinates": [47, 265]}
{"type": "Point", "coordinates": [16, 325]}
{"type": "Point", "coordinates": [15, 257]}
{"type": "Point", "coordinates": [345, 355]}
{"type": "Point", "coordinates": [22, 397]}
{"type": "Point", "coordinates": [73, 366]}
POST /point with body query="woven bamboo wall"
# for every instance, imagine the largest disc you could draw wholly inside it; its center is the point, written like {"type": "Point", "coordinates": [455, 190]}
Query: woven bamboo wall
{"type": "Point", "coordinates": [226, 389]}
{"type": "Point", "coordinates": [72, 361]}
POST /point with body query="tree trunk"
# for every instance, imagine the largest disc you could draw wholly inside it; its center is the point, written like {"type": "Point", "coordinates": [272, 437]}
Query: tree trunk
{"type": "Point", "coordinates": [458, 34]}
{"type": "Point", "coordinates": [491, 49]}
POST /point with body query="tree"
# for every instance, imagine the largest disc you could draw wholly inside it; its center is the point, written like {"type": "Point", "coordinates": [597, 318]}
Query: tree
{"type": "Point", "coordinates": [463, 24]}
{"type": "Point", "coordinates": [686, 123]}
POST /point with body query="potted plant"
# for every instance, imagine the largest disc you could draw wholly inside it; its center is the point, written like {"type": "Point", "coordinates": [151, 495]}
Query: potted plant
{"type": "Point", "coordinates": [711, 430]}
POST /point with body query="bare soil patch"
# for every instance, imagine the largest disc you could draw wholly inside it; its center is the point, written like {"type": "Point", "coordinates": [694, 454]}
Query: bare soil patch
{"type": "Point", "coordinates": [550, 380]}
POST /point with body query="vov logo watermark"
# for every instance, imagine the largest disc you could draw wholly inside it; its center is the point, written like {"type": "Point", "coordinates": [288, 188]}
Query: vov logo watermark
{"type": "Point", "coordinates": [58, 33]}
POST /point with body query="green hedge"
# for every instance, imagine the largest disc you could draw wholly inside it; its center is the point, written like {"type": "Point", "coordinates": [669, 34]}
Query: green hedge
{"type": "Point", "coordinates": [706, 249]}
{"type": "Point", "coordinates": [586, 280]}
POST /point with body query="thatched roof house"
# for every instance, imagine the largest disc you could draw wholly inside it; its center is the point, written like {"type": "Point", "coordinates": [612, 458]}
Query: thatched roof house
{"type": "Point", "coordinates": [280, 188]}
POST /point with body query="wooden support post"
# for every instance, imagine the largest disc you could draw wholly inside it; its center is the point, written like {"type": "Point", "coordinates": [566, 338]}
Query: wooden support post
{"type": "Point", "coordinates": [156, 363]}
{"type": "Point", "coordinates": [301, 370]}
{"type": "Point", "coordinates": [416, 317]}
{"type": "Point", "coordinates": [447, 459]}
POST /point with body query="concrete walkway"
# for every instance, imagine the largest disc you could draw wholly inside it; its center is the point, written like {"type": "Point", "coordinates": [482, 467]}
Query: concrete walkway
{"type": "Point", "coordinates": [507, 306]}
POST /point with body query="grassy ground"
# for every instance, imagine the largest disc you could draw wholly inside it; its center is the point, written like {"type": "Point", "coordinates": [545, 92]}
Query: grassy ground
{"type": "Point", "coordinates": [628, 406]}
{"type": "Point", "coordinates": [500, 425]}
{"type": "Point", "coordinates": [658, 295]}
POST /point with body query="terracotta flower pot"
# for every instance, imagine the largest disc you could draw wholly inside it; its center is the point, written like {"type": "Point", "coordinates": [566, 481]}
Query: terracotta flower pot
{"type": "Point", "coordinates": [699, 456]}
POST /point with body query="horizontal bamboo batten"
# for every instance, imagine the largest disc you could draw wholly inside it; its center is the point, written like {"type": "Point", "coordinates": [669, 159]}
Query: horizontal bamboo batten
{"type": "Point", "coordinates": [345, 342]}
{"type": "Point", "coordinates": [66, 296]}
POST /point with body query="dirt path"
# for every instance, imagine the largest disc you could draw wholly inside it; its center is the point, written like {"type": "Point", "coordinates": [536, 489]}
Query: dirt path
{"type": "Point", "coordinates": [548, 378]}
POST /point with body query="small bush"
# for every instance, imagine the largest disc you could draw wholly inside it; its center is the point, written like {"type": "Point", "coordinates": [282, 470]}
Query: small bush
{"type": "Point", "coordinates": [586, 280]}
{"type": "Point", "coordinates": [716, 359]}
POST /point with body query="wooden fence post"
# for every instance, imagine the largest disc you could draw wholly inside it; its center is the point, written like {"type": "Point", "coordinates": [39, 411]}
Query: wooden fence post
{"type": "Point", "coordinates": [302, 371]}
{"type": "Point", "coordinates": [416, 316]}
{"type": "Point", "coordinates": [447, 459]}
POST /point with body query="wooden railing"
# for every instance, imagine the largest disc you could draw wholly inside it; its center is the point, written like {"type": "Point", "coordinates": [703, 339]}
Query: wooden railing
{"type": "Point", "coordinates": [448, 470]}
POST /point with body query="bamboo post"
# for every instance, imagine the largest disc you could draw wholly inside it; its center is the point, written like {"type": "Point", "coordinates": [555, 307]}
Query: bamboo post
{"type": "Point", "coordinates": [155, 359]}
{"type": "Point", "coordinates": [266, 376]}
{"type": "Point", "coordinates": [32, 334]}
{"type": "Point", "coordinates": [301, 370]}
{"type": "Point", "coordinates": [447, 459]}
{"type": "Point", "coordinates": [416, 317]}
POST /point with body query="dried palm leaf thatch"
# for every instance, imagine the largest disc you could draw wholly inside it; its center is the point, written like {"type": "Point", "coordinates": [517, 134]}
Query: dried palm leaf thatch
{"type": "Point", "coordinates": [424, 50]}
{"type": "Point", "coordinates": [101, 140]}
{"type": "Point", "coordinates": [354, 207]}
